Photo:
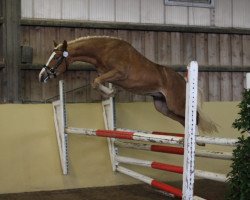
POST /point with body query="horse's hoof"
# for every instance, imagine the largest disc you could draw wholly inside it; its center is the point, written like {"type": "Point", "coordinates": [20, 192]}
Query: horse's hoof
{"type": "Point", "coordinates": [94, 85]}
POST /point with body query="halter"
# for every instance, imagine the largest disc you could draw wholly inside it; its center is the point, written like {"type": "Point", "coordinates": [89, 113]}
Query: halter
{"type": "Point", "coordinates": [51, 71]}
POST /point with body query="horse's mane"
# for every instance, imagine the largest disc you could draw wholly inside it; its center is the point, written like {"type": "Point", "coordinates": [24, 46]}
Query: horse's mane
{"type": "Point", "coordinates": [87, 38]}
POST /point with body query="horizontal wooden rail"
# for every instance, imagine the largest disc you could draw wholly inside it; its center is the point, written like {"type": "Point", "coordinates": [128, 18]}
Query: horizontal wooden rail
{"type": "Point", "coordinates": [178, 68]}
{"type": "Point", "coordinates": [132, 26]}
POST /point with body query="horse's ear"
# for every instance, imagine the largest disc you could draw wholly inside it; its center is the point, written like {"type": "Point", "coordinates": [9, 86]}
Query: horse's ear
{"type": "Point", "coordinates": [55, 43]}
{"type": "Point", "coordinates": [65, 45]}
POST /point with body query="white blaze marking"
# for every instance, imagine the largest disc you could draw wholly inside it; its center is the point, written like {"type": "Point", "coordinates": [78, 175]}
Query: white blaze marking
{"type": "Point", "coordinates": [50, 58]}
{"type": "Point", "coordinates": [41, 73]}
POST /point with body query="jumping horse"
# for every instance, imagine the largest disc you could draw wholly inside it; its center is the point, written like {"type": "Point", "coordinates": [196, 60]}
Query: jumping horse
{"type": "Point", "coordinates": [118, 62]}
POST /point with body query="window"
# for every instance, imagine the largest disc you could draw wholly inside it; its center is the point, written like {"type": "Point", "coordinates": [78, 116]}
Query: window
{"type": "Point", "coordinates": [194, 3]}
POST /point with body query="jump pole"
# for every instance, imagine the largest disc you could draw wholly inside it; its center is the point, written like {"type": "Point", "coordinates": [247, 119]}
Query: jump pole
{"type": "Point", "coordinates": [60, 122]}
{"type": "Point", "coordinates": [199, 139]}
{"type": "Point", "coordinates": [170, 168]}
{"type": "Point", "coordinates": [190, 132]}
{"type": "Point", "coordinates": [128, 135]}
{"type": "Point", "coordinates": [109, 122]}
{"type": "Point", "coordinates": [173, 150]}
{"type": "Point", "coordinates": [171, 191]}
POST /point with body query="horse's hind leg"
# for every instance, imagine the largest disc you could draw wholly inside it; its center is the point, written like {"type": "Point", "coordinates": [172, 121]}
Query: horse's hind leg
{"type": "Point", "coordinates": [161, 106]}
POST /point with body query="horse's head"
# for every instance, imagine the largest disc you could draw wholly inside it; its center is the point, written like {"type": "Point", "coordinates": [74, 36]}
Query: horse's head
{"type": "Point", "coordinates": [57, 63]}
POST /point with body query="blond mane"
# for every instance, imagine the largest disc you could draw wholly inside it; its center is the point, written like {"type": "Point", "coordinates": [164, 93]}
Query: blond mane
{"type": "Point", "coordinates": [87, 38]}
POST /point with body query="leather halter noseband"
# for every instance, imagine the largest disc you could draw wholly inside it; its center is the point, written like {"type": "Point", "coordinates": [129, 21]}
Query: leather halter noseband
{"type": "Point", "coordinates": [51, 71]}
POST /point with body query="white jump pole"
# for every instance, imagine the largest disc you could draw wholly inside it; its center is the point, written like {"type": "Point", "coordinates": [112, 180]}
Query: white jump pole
{"type": "Point", "coordinates": [217, 140]}
{"type": "Point", "coordinates": [109, 121]}
{"type": "Point", "coordinates": [106, 90]}
{"type": "Point", "coordinates": [60, 124]}
{"type": "Point", "coordinates": [211, 175]}
{"type": "Point", "coordinates": [214, 154]}
{"type": "Point", "coordinates": [190, 131]}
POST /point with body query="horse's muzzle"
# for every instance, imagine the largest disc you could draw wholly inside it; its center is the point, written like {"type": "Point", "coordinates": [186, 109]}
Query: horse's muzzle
{"type": "Point", "coordinates": [43, 76]}
{"type": "Point", "coordinates": [46, 74]}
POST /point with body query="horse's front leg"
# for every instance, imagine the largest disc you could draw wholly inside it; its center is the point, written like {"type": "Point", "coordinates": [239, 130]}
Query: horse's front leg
{"type": "Point", "coordinates": [112, 75]}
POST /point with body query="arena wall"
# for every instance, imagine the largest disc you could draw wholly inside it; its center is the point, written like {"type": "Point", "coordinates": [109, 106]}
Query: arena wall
{"type": "Point", "coordinates": [29, 153]}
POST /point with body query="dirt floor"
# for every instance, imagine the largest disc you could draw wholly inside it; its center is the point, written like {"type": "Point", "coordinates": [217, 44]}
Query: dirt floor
{"type": "Point", "coordinates": [209, 190]}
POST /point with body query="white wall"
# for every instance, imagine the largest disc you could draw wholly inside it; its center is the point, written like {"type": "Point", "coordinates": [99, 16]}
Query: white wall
{"type": "Point", "coordinates": [227, 13]}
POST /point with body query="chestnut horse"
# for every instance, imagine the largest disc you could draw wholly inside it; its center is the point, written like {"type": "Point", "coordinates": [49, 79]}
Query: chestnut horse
{"type": "Point", "coordinates": [117, 62]}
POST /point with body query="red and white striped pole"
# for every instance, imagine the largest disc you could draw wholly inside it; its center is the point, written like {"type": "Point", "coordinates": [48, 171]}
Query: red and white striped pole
{"type": "Point", "coordinates": [169, 168]}
{"type": "Point", "coordinates": [154, 183]}
{"type": "Point", "coordinates": [150, 147]}
{"type": "Point", "coordinates": [150, 164]}
{"type": "Point", "coordinates": [199, 139]}
{"type": "Point", "coordinates": [128, 135]}
{"type": "Point", "coordinates": [174, 150]}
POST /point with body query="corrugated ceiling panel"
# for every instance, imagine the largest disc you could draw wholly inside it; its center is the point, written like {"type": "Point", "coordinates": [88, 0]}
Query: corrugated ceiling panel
{"type": "Point", "coordinates": [152, 11]}
{"type": "Point", "coordinates": [128, 11]}
{"type": "Point", "coordinates": [223, 13]}
{"type": "Point", "coordinates": [199, 16]}
{"type": "Point", "coordinates": [27, 8]}
{"type": "Point", "coordinates": [47, 9]}
{"type": "Point", "coordinates": [102, 10]}
{"type": "Point", "coordinates": [75, 10]}
{"type": "Point", "coordinates": [176, 15]}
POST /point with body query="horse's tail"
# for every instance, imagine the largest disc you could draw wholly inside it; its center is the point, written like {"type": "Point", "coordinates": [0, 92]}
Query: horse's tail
{"type": "Point", "coordinates": [205, 124]}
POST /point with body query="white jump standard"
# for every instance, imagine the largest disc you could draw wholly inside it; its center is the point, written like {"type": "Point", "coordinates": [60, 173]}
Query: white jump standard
{"type": "Point", "coordinates": [60, 120]}
{"type": "Point", "coordinates": [116, 140]}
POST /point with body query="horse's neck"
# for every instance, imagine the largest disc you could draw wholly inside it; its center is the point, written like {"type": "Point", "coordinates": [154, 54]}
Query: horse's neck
{"type": "Point", "coordinates": [83, 51]}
